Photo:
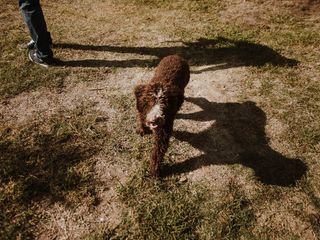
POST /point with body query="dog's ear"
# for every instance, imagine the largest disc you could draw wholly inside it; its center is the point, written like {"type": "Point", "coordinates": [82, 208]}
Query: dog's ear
{"type": "Point", "coordinates": [138, 90]}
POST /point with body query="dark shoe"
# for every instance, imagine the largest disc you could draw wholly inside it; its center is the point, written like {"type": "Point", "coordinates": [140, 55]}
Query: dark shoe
{"type": "Point", "coordinates": [34, 58]}
{"type": "Point", "coordinates": [30, 45]}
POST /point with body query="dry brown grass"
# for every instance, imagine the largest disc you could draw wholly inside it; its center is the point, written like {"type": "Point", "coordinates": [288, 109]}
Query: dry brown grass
{"type": "Point", "coordinates": [244, 159]}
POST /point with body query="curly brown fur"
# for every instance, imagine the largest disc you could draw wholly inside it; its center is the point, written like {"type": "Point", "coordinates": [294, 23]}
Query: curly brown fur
{"type": "Point", "coordinates": [158, 102]}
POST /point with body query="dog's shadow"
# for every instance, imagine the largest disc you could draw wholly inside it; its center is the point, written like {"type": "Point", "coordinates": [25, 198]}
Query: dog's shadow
{"type": "Point", "coordinates": [236, 137]}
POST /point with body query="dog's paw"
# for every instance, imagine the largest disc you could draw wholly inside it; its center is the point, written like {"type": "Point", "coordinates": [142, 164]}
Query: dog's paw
{"type": "Point", "coordinates": [155, 173]}
{"type": "Point", "coordinates": [143, 131]}
{"type": "Point", "coordinates": [140, 131]}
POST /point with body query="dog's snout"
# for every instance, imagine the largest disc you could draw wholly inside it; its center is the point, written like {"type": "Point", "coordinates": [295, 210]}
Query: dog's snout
{"type": "Point", "coordinates": [155, 116]}
{"type": "Point", "coordinates": [155, 123]}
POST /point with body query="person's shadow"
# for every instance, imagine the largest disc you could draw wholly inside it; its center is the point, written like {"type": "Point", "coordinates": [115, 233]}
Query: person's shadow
{"type": "Point", "coordinates": [236, 137]}
{"type": "Point", "coordinates": [220, 52]}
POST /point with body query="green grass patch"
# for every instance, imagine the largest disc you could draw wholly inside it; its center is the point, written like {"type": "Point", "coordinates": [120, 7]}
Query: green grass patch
{"type": "Point", "coordinates": [160, 210]}
{"type": "Point", "coordinates": [46, 160]}
{"type": "Point", "coordinates": [17, 79]}
{"type": "Point", "coordinates": [231, 216]}
{"type": "Point", "coordinates": [171, 209]}
{"type": "Point", "coordinates": [200, 5]}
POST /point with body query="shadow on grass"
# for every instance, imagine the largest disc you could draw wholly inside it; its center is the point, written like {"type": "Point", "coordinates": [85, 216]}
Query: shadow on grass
{"type": "Point", "coordinates": [237, 137]}
{"type": "Point", "coordinates": [221, 52]}
{"type": "Point", "coordinates": [35, 167]}
{"type": "Point", "coordinates": [43, 166]}
{"type": "Point", "coordinates": [46, 161]}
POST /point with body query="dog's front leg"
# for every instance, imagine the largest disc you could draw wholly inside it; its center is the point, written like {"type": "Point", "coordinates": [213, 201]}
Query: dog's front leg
{"type": "Point", "coordinates": [142, 129]}
{"type": "Point", "coordinates": [161, 137]}
{"type": "Point", "coordinates": [141, 103]}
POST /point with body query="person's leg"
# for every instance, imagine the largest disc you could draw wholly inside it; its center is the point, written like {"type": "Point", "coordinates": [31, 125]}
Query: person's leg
{"type": "Point", "coordinates": [33, 16]}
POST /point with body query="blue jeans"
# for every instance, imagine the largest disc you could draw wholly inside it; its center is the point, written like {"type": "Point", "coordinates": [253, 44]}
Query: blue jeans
{"type": "Point", "coordinates": [33, 16]}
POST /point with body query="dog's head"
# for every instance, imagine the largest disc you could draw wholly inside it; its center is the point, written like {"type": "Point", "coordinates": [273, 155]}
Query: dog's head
{"type": "Point", "coordinates": [151, 101]}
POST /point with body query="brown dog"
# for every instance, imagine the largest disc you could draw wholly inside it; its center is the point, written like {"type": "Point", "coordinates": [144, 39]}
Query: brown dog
{"type": "Point", "coordinates": [158, 102]}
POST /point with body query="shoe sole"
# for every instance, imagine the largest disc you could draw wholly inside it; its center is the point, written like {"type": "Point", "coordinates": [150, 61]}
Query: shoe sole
{"type": "Point", "coordinates": [41, 64]}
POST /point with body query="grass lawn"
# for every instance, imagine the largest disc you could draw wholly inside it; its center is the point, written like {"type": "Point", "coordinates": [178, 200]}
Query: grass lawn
{"type": "Point", "coordinates": [243, 161]}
